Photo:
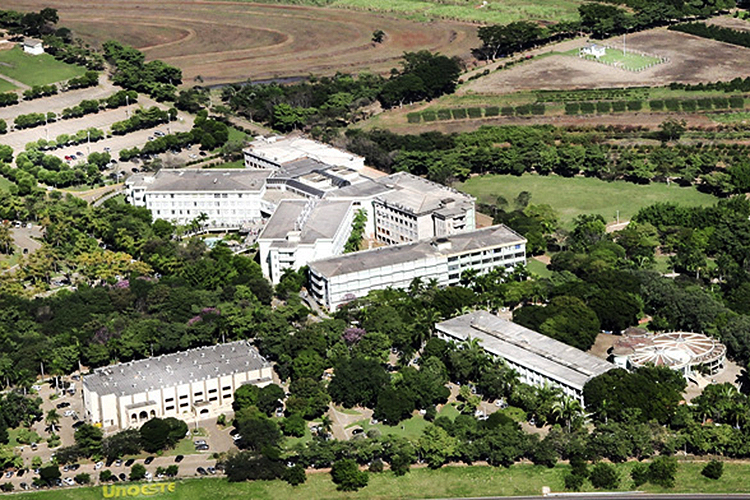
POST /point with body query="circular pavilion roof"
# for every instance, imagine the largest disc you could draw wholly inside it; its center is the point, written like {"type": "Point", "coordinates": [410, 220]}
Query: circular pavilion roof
{"type": "Point", "coordinates": [677, 349]}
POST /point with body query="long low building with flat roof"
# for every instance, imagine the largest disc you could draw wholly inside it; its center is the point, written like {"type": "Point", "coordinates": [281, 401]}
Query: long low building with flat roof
{"type": "Point", "coordinates": [194, 384]}
{"type": "Point", "coordinates": [338, 280]}
{"type": "Point", "coordinates": [539, 360]}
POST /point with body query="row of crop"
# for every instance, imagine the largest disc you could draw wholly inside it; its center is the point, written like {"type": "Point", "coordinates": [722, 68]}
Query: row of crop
{"type": "Point", "coordinates": [592, 95]}
{"type": "Point", "coordinates": [687, 105]}
{"type": "Point", "coordinates": [475, 112]}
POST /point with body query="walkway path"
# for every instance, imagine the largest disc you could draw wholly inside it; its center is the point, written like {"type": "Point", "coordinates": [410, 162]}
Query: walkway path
{"type": "Point", "coordinates": [18, 84]}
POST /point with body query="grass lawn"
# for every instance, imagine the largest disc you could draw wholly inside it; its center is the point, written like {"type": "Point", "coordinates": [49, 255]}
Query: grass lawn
{"type": "Point", "coordinates": [448, 482]}
{"type": "Point", "coordinates": [5, 184]}
{"type": "Point", "coordinates": [538, 268]}
{"type": "Point", "coordinates": [629, 60]}
{"type": "Point", "coordinates": [493, 12]}
{"type": "Point", "coordinates": [411, 428]}
{"type": "Point", "coordinates": [6, 86]}
{"type": "Point", "coordinates": [36, 70]}
{"type": "Point", "coordinates": [236, 135]}
{"type": "Point", "coordinates": [574, 196]}
{"type": "Point", "coordinates": [742, 116]}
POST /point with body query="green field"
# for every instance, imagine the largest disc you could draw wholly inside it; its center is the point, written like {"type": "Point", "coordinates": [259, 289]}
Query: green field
{"type": "Point", "coordinates": [629, 60]}
{"type": "Point", "coordinates": [739, 117]}
{"type": "Point", "coordinates": [447, 482]}
{"type": "Point", "coordinates": [6, 86]}
{"type": "Point", "coordinates": [36, 70]}
{"type": "Point", "coordinates": [494, 11]}
{"type": "Point", "coordinates": [571, 197]}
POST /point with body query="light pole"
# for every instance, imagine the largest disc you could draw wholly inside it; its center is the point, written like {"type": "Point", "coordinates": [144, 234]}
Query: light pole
{"type": "Point", "coordinates": [88, 141]}
{"type": "Point", "coordinates": [127, 105]}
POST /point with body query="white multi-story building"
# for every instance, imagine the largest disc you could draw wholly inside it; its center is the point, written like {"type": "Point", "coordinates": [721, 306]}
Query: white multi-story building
{"type": "Point", "coordinates": [539, 360]}
{"type": "Point", "coordinates": [188, 385]}
{"type": "Point", "coordinates": [300, 231]}
{"type": "Point", "coordinates": [273, 152]}
{"type": "Point", "coordinates": [337, 280]}
{"type": "Point", "coordinates": [229, 197]}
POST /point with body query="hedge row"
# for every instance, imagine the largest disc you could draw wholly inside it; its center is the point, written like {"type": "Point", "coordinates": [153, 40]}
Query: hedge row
{"type": "Point", "coordinates": [689, 105]}
{"type": "Point", "coordinates": [592, 95]}
{"type": "Point", "coordinates": [574, 108]}
{"type": "Point", "coordinates": [474, 112]}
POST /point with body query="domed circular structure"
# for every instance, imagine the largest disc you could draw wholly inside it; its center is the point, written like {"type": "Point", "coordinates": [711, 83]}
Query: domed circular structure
{"type": "Point", "coordinates": [684, 351]}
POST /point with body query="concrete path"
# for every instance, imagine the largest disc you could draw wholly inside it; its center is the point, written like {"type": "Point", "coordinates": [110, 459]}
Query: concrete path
{"type": "Point", "coordinates": [18, 84]}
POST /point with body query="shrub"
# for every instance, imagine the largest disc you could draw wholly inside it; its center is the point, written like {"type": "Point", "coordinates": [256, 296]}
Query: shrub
{"type": "Point", "coordinates": [604, 476]}
{"type": "Point", "coordinates": [429, 116]}
{"type": "Point", "coordinates": [689, 105]}
{"type": "Point", "coordinates": [662, 470]}
{"type": "Point", "coordinates": [639, 474]}
{"type": "Point", "coordinates": [587, 107]}
{"type": "Point", "coordinates": [736, 102]}
{"type": "Point", "coordinates": [295, 475]}
{"type": "Point", "coordinates": [491, 111]}
{"type": "Point", "coordinates": [603, 107]}
{"type": "Point", "coordinates": [618, 106]}
{"type": "Point", "coordinates": [720, 102]}
{"type": "Point", "coordinates": [413, 117]}
{"type": "Point", "coordinates": [444, 114]}
{"type": "Point", "coordinates": [376, 466]}
{"type": "Point", "coordinates": [713, 469]}
{"type": "Point", "coordinates": [347, 476]}
{"type": "Point", "coordinates": [635, 105]}
{"type": "Point", "coordinates": [706, 103]}
{"type": "Point", "coordinates": [459, 114]}
{"type": "Point", "coordinates": [672, 104]}
{"type": "Point", "coordinates": [572, 108]}
{"type": "Point", "coordinates": [507, 111]}
{"type": "Point", "coordinates": [573, 482]}
{"type": "Point", "coordinates": [524, 109]}
{"type": "Point", "coordinates": [537, 108]}
{"type": "Point", "coordinates": [656, 105]}
{"type": "Point", "coordinates": [474, 112]}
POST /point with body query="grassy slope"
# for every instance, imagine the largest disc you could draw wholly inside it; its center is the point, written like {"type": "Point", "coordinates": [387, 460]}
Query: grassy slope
{"type": "Point", "coordinates": [6, 86]}
{"type": "Point", "coordinates": [571, 197]}
{"type": "Point", "coordinates": [36, 70]}
{"type": "Point", "coordinates": [423, 483]}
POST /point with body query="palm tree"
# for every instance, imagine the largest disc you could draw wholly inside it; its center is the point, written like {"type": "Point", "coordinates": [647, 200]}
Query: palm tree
{"type": "Point", "coordinates": [6, 238]}
{"type": "Point", "coordinates": [567, 408]}
{"type": "Point", "coordinates": [52, 419]}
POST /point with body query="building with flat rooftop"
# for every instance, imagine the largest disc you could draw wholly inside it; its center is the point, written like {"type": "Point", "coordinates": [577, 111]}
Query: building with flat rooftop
{"type": "Point", "coordinates": [189, 385]}
{"type": "Point", "coordinates": [538, 359]}
{"type": "Point", "coordinates": [337, 280]}
{"type": "Point", "coordinates": [275, 151]}
{"type": "Point", "coordinates": [300, 231]}
{"type": "Point", "coordinates": [33, 46]}
{"type": "Point", "coordinates": [228, 197]}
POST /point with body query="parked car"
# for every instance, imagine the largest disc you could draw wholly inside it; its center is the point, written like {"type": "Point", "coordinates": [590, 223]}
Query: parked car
{"type": "Point", "coordinates": [98, 465]}
{"type": "Point", "coordinates": [64, 404]}
{"type": "Point", "coordinates": [129, 462]}
{"type": "Point", "coordinates": [179, 458]}
{"type": "Point", "coordinates": [118, 462]}
{"type": "Point", "coordinates": [122, 476]}
{"type": "Point", "coordinates": [211, 470]}
{"type": "Point", "coordinates": [201, 471]}
{"type": "Point", "coordinates": [148, 460]}
{"type": "Point", "coordinates": [201, 447]}
{"type": "Point", "coordinates": [69, 481]}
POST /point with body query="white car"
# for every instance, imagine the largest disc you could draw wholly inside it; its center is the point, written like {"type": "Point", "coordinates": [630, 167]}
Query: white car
{"type": "Point", "coordinates": [98, 465]}
{"type": "Point", "coordinates": [69, 481]}
{"type": "Point", "coordinates": [148, 476]}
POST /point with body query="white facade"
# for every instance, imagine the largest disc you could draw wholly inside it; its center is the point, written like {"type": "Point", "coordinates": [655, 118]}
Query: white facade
{"type": "Point", "coordinates": [33, 46]}
{"type": "Point", "coordinates": [302, 231]}
{"type": "Point", "coordinates": [229, 198]}
{"type": "Point", "coordinates": [338, 280]}
{"type": "Point", "coordinates": [189, 385]}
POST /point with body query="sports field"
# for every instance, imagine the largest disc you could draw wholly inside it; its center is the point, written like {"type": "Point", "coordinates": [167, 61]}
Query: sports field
{"type": "Point", "coordinates": [36, 70]}
{"type": "Point", "coordinates": [571, 197]}
{"type": "Point", "coordinates": [630, 61]}
{"type": "Point", "coordinates": [448, 482]}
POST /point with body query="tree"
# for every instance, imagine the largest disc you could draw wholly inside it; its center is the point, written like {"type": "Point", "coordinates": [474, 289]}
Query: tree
{"type": "Point", "coordinates": [295, 475]}
{"type": "Point", "coordinates": [671, 129]}
{"type": "Point", "coordinates": [89, 440]}
{"type": "Point", "coordinates": [347, 476]}
{"type": "Point", "coordinates": [436, 446]}
{"type": "Point", "coordinates": [378, 36]}
{"type": "Point", "coordinates": [83, 478]}
{"type": "Point", "coordinates": [257, 430]}
{"type": "Point", "coordinates": [49, 475]}
{"type": "Point", "coordinates": [52, 419]}
{"type": "Point", "coordinates": [604, 476]}
{"type": "Point", "coordinates": [154, 435]}
{"type": "Point", "coordinates": [357, 382]}
{"type": "Point", "coordinates": [137, 472]}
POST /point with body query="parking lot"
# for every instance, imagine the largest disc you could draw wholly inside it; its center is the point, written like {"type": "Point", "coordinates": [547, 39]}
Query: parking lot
{"type": "Point", "coordinates": [56, 103]}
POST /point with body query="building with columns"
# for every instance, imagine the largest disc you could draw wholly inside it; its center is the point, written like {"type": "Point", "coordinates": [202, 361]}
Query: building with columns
{"type": "Point", "coordinates": [189, 385]}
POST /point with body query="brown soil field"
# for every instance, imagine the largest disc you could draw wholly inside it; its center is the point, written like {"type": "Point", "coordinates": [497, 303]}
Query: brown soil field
{"type": "Point", "coordinates": [691, 60]}
{"type": "Point", "coordinates": [227, 42]}
{"type": "Point", "coordinates": [730, 22]}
